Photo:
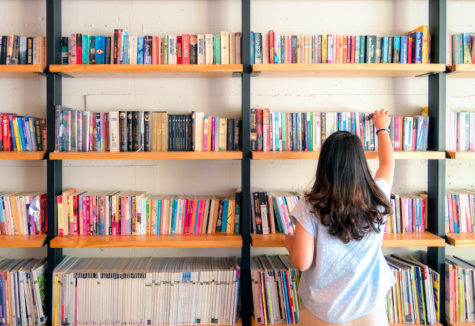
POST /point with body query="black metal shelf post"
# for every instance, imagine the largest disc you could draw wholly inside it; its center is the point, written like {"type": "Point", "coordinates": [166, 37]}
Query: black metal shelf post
{"type": "Point", "coordinates": [436, 170]}
{"type": "Point", "coordinates": [54, 167]}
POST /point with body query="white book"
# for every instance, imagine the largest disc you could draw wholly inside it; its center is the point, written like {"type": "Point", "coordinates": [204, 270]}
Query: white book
{"type": "Point", "coordinates": [265, 48]}
{"type": "Point", "coordinates": [225, 48]}
{"type": "Point", "coordinates": [114, 144]}
{"type": "Point", "coordinates": [198, 131]}
{"type": "Point", "coordinates": [201, 49]}
{"type": "Point", "coordinates": [133, 51]}
{"type": "Point", "coordinates": [172, 49]}
{"type": "Point", "coordinates": [209, 54]}
{"type": "Point", "coordinates": [232, 48]}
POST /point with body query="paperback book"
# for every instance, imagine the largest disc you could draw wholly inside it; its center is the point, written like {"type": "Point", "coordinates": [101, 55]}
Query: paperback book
{"type": "Point", "coordinates": [460, 212]}
{"type": "Point", "coordinates": [460, 131]}
{"type": "Point", "coordinates": [22, 213]}
{"type": "Point", "coordinates": [22, 50]}
{"type": "Point", "coordinates": [459, 290]}
{"type": "Point", "coordinates": [22, 134]}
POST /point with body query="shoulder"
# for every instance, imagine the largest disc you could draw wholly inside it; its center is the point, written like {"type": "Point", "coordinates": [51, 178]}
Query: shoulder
{"type": "Point", "coordinates": [384, 187]}
{"type": "Point", "coordinates": [303, 214]}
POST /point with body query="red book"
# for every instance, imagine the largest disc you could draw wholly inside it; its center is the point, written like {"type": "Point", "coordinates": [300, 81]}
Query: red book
{"type": "Point", "coordinates": [185, 46]}
{"type": "Point", "coordinates": [155, 52]}
{"type": "Point", "coordinates": [116, 44]}
{"type": "Point", "coordinates": [348, 49]}
{"type": "Point", "coordinates": [1, 132]}
{"type": "Point", "coordinates": [7, 139]}
{"type": "Point", "coordinates": [353, 42]}
{"type": "Point", "coordinates": [473, 48]}
{"type": "Point", "coordinates": [79, 48]}
{"type": "Point", "coordinates": [186, 217]}
{"type": "Point", "coordinates": [410, 44]}
{"type": "Point", "coordinates": [271, 46]}
{"type": "Point", "coordinates": [179, 49]}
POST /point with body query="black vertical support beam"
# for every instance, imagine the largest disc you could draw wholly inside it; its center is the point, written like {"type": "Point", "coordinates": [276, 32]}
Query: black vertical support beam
{"type": "Point", "coordinates": [437, 114]}
{"type": "Point", "coordinates": [246, 295]}
{"type": "Point", "coordinates": [54, 168]}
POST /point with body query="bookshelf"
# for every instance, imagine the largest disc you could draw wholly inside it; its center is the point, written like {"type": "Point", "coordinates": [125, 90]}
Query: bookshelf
{"type": "Point", "coordinates": [413, 239]}
{"type": "Point", "coordinates": [21, 71]}
{"type": "Point", "coordinates": [346, 70]}
{"type": "Point", "coordinates": [146, 71]}
{"type": "Point", "coordinates": [224, 155]}
{"type": "Point", "coordinates": [25, 156]}
{"type": "Point", "coordinates": [460, 324]}
{"type": "Point", "coordinates": [148, 241]}
{"type": "Point", "coordinates": [462, 71]}
{"type": "Point", "coordinates": [461, 239]}
{"type": "Point", "coordinates": [409, 155]}
{"type": "Point", "coordinates": [22, 241]}
{"type": "Point", "coordinates": [461, 155]}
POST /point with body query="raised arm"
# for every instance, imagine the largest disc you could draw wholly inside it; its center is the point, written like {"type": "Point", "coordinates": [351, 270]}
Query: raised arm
{"type": "Point", "coordinates": [381, 122]}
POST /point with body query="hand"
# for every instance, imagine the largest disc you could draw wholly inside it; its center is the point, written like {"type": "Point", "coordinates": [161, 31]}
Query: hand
{"type": "Point", "coordinates": [289, 242]}
{"type": "Point", "coordinates": [381, 119]}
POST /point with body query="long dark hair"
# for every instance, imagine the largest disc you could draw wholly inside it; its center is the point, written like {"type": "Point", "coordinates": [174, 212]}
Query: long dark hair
{"type": "Point", "coordinates": [344, 196]}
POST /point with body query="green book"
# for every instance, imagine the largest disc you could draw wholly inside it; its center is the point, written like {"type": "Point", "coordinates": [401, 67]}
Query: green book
{"type": "Point", "coordinates": [284, 131]}
{"type": "Point", "coordinates": [370, 49]}
{"type": "Point", "coordinates": [217, 49]}
{"type": "Point", "coordinates": [165, 50]}
{"type": "Point", "coordinates": [362, 49]}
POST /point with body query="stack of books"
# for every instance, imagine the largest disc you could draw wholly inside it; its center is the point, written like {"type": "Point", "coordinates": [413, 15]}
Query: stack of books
{"type": "Point", "coordinates": [459, 290]}
{"type": "Point", "coordinates": [22, 292]}
{"type": "Point", "coordinates": [274, 290]}
{"type": "Point", "coordinates": [460, 212]}
{"type": "Point", "coordinates": [272, 48]}
{"type": "Point", "coordinates": [22, 213]}
{"type": "Point", "coordinates": [306, 131]}
{"type": "Point", "coordinates": [461, 131]}
{"type": "Point", "coordinates": [135, 212]}
{"type": "Point", "coordinates": [136, 131]}
{"type": "Point", "coordinates": [271, 212]}
{"type": "Point", "coordinates": [146, 291]}
{"type": "Point", "coordinates": [415, 298]}
{"type": "Point", "coordinates": [22, 50]}
{"type": "Point", "coordinates": [460, 48]}
{"type": "Point", "coordinates": [222, 48]}
{"type": "Point", "coordinates": [409, 214]}
{"type": "Point", "coordinates": [22, 134]}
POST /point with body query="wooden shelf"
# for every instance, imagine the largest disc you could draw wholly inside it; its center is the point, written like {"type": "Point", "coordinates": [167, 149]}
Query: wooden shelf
{"type": "Point", "coordinates": [461, 155]}
{"type": "Point", "coordinates": [460, 324]}
{"type": "Point", "coordinates": [399, 324]}
{"type": "Point", "coordinates": [224, 155]}
{"type": "Point", "coordinates": [415, 239]}
{"type": "Point", "coordinates": [346, 70]}
{"type": "Point", "coordinates": [149, 241]}
{"type": "Point", "coordinates": [26, 156]}
{"type": "Point", "coordinates": [462, 71]}
{"type": "Point", "coordinates": [146, 71]}
{"type": "Point", "coordinates": [253, 323]}
{"type": "Point", "coordinates": [22, 241]}
{"type": "Point", "coordinates": [21, 71]}
{"type": "Point", "coordinates": [461, 239]}
{"type": "Point", "coordinates": [405, 155]}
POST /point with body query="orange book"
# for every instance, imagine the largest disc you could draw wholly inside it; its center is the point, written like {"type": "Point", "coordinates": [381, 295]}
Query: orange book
{"type": "Point", "coordinates": [155, 50]}
{"type": "Point", "coordinates": [230, 217]}
{"type": "Point", "coordinates": [324, 48]}
{"type": "Point", "coordinates": [194, 208]}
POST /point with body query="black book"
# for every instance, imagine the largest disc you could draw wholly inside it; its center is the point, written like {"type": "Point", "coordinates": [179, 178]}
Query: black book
{"type": "Point", "coordinates": [264, 209]}
{"type": "Point", "coordinates": [253, 130]}
{"type": "Point", "coordinates": [147, 53]}
{"type": "Point", "coordinates": [237, 135]}
{"type": "Point", "coordinates": [116, 50]}
{"type": "Point", "coordinates": [123, 131]}
{"type": "Point", "coordinates": [92, 50]}
{"type": "Point", "coordinates": [219, 221]}
{"type": "Point", "coordinates": [390, 50]}
{"type": "Point", "coordinates": [230, 135]}
{"type": "Point", "coordinates": [147, 145]}
{"type": "Point", "coordinates": [38, 136]}
{"type": "Point", "coordinates": [257, 212]}
{"type": "Point", "coordinates": [303, 119]}
{"type": "Point", "coordinates": [1, 50]}
{"type": "Point", "coordinates": [379, 50]}
{"type": "Point", "coordinates": [182, 135]}
{"type": "Point", "coordinates": [237, 213]}
{"type": "Point", "coordinates": [170, 148]}
{"type": "Point", "coordinates": [189, 131]}
{"type": "Point", "coordinates": [29, 50]}
{"type": "Point", "coordinates": [16, 50]}
{"type": "Point", "coordinates": [193, 51]}
{"type": "Point", "coordinates": [137, 129]}
{"type": "Point", "coordinates": [64, 51]}
{"type": "Point", "coordinates": [130, 132]}
{"type": "Point", "coordinates": [108, 50]}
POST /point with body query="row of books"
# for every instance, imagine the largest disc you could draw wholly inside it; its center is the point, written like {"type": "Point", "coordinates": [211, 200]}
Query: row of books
{"type": "Point", "coordinates": [273, 48]}
{"type": "Point", "coordinates": [271, 212]}
{"type": "Point", "coordinates": [22, 50]}
{"type": "Point", "coordinates": [135, 212]}
{"type": "Point", "coordinates": [415, 298]}
{"type": "Point", "coordinates": [409, 214]}
{"type": "Point", "coordinates": [22, 134]}
{"type": "Point", "coordinates": [306, 131]}
{"type": "Point", "coordinates": [460, 212]}
{"type": "Point", "coordinates": [134, 131]}
{"type": "Point", "coordinates": [460, 131]}
{"type": "Point", "coordinates": [460, 48]}
{"type": "Point", "coordinates": [459, 290]}
{"type": "Point", "coordinates": [22, 213]}
{"type": "Point", "coordinates": [146, 291]}
{"type": "Point", "coordinates": [274, 290]}
{"type": "Point", "coordinates": [22, 292]}
{"type": "Point", "coordinates": [222, 48]}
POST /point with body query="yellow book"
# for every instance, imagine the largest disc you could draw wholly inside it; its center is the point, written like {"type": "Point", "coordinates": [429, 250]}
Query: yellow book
{"type": "Point", "coordinates": [230, 217]}
{"type": "Point", "coordinates": [223, 126]}
{"type": "Point", "coordinates": [55, 320]}
{"type": "Point", "coordinates": [324, 48]}
{"type": "Point", "coordinates": [425, 41]}
{"type": "Point", "coordinates": [164, 132]}
{"type": "Point", "coordinates": [341, 40]}
{"type": "Point", "coordinates": [17, 135]}
{"type": "Point", "coordinates": [299, 46]}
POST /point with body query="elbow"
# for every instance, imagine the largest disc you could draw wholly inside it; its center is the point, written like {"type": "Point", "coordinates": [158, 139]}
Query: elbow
{"type": "Point", "coordinates": [301, 263]}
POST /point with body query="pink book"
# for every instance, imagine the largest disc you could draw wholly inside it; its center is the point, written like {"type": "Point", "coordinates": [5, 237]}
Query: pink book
{"type": "Point", "coordinates": [155, 49]}
{"type": "Point", "coordinates": [414, 137]}
{"type": "Point", "coordinates": [201, 216]}
{"type": "Point", "coordinates": [123, 203]}
{"type": "Point", "coordinates": [164, 219]}
{"type": "Point", "coordinates": [396, 134]}
{"type": "Point", "coordinates": [205, 133]}
{"type": "Point", "coordinates": [83, 216]}
{"type": "Point", "coordinates": [72, 49]}
{"type": "Point", "coordinates": [91, 133]}
{"type": "Point", "coordinates": [473, 48]}
{"type": "Point", "coordinates": [336, 48]}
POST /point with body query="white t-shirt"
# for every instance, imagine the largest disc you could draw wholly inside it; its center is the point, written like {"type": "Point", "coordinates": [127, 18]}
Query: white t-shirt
{"type": "Point", "coordinates": [345, 281]}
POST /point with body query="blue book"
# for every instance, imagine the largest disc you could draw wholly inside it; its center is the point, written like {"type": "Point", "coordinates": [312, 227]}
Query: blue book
{"type": "Point", "coordinates": [252, 47]}
{"type": "Point", "coordinates": [100, 57]}
{"type": "Point", "coordinates": [340, 122]}
{"type": "Point", "coordinates": [140, 57]}
{"type": "Point", "coordinates": [282, 49]}
{"type": "Point", "coordinates": [122, 40]}
{"type": "Point", "coordinates": [20, 130]}
{"type": "Point", "coordinates": [456, 225]}
{"type": "Point", "coordinates": [126, 48]}
{"type": "Point", "coordinates": [174, 213]}
{"type": "Point", "coordinates": [158, 214]}
{"type": "Point", "coordinates": [397, 49]}
{"type": "Point", "coordinates": [85, 49]}
{"type": "Point", "coordinates": [385, 54]}
{"type": "Point", "coordinates": [12, 133]}
{"type": "Point", "coordinates": [286, 297]}
{"type": "Point", "coordinates": [467, 48]}
{"type": "Point", "coordinates": [98, 132]}
{"type": "Point", "coordinates": [2, 215]}
{"type": "Point", "coordinates": [329, 48]}
{"type": "Point", "coordinates": [403, 50]}
{"type": "Point", "coordinates": [258, 47]}
{"type": "Point", "coordinates": [224, 223]}
{"type": "Point", "coordinates": [417, 53]}
{"type": "Point", "coordinates": [27, 132]}
{"type": "Point", "coordinates": [419, 132]}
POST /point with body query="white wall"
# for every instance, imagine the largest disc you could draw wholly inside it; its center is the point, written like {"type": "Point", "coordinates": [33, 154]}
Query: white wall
{"type": "Point", "coordinates": [222, 96]}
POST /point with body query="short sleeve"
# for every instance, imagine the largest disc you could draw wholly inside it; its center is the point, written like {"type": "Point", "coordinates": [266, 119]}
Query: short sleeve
{"type": "Point", "coordinates": [302, 214]}
{"type": "Point", "coordinates": [384, 186]}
